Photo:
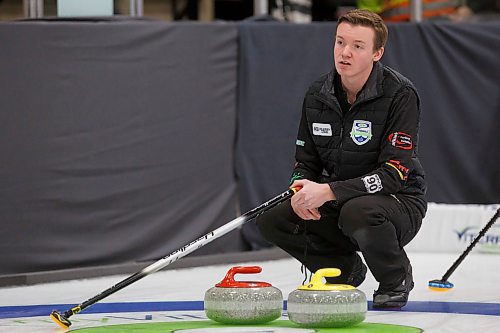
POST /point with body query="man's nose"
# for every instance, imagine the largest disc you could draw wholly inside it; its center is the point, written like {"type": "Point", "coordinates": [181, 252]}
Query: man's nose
{"type": "Point", "coordinates": [346, 51]}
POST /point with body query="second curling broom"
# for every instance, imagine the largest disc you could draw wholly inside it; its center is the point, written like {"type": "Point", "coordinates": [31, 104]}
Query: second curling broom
{"type": "Point", "coordinates": [443, 284]}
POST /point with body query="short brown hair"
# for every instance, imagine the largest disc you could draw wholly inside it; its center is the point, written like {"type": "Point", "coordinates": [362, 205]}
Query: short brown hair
{"type": "Point", "coordinates": [368, 19]}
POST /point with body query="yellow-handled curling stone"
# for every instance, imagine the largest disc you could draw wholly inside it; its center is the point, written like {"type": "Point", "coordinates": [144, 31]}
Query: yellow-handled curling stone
{"type": "Point", "coordinates": [326, 305]}
{"type": "Point", "coordinates": [243, 302]}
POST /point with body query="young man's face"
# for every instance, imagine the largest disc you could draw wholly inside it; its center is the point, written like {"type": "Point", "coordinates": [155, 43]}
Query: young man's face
{"type": "Point", "coordinates": [353, 51]}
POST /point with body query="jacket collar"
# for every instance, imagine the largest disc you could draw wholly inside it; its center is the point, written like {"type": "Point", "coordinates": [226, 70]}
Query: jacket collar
{"type": "Point", "coordinates": [371, 89]}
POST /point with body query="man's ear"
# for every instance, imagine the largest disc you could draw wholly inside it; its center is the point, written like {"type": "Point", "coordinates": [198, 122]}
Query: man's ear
{"type": "Point", "coordinates": [378, 54]}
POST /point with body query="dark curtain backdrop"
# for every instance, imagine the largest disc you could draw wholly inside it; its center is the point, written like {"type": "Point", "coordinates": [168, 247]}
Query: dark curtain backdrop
{"type": "Point", "coordinates": [116, 141]}
{"type": "Point", "coordinates": [456, 68]}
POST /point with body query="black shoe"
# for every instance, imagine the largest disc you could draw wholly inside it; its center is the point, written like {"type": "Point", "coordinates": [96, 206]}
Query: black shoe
{"type": "Point", "coordinates": [358, 274]}
{"type": "Point", "coordinates": [397, 297]}
{"type": "Point", "coordinates": [355, 278]}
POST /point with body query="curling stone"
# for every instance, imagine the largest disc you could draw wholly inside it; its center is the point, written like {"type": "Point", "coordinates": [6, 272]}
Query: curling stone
{"type": "Point", "coordinates": [326, 305]}
{"type": "Point", "coordinates": [243, 302]}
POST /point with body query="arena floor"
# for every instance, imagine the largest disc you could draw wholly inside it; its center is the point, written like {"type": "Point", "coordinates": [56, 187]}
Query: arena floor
{"type": "Point", "coordinates": [172, 300]}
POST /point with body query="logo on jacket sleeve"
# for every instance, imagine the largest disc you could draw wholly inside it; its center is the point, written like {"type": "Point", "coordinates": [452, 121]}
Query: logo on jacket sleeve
{"type": "Point", "coordinates": [322, 129]}
{"type": "Point", "coordinates": [401, 140]}
{"type": "Point", "coordinates": [361, 132]}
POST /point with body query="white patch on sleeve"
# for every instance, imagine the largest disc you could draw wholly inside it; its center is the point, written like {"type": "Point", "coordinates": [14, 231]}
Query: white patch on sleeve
{"type": "Point", "coordinates": [373, 183]}
{"type": "Point", "coordinates": [322, 129]}
{"type": "Point", "coordinates": [300, 143]}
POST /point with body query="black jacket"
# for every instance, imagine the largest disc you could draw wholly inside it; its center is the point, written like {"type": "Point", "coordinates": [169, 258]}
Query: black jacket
{"type": "Point", "coordinates": [372, 148]}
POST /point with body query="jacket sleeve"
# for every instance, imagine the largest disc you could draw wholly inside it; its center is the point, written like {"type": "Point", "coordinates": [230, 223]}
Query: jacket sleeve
{"type": "Point", "coordinates": [307, 162]}
{"type": "Point", "coordinates": [397, 147]}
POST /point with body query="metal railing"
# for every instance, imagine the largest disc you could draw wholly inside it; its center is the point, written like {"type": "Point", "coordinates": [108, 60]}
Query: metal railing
{"type": "Point", "coordinates": [415, 10]}
{"type": "Point", "coordinates": [260, 7]}
{"type": "Point", "coordinates": [35, 8]}
{"type": "Point", "coordinates": [136, 7]}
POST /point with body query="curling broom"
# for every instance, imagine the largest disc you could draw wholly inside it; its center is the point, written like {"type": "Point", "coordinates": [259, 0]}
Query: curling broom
{"type": "Point", "coordinates": [63, 319]}
{"type": "Point", "coordinates": [443, 284]}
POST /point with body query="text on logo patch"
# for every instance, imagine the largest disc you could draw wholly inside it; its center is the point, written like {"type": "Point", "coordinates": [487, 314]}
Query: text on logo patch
{"type": "Point", "coordinates": [401, 169]}
{"type": "Point", "coordinates": [401, 140]}
{"type": "Point", "coordinates": [322, 129]}
{"type": "Point", "coordinates": [361, 131]}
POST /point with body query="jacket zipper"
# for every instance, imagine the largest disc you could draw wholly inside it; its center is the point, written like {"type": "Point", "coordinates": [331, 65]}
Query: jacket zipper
{"type": "Point", "coordinates": [339, 112]}
{"type": "Point", "coordinates": [338, 109]}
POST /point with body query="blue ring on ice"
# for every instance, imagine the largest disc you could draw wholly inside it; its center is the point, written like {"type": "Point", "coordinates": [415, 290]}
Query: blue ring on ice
{"type": "Point", "coordinates": [19, 311]}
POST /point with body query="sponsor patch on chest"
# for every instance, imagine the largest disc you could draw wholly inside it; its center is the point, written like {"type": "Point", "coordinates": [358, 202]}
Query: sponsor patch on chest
{"type": "Point", "coordinates": [322, 129]}
{"type": "Point", "coordinates": [361, 131]}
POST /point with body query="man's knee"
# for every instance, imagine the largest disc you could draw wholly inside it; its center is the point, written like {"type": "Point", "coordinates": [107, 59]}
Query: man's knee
{"type": "Point", "coordinates": [355, 215]}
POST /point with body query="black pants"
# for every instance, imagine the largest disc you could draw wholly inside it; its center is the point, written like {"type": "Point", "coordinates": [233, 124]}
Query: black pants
{"type": "Point", "coordinates": [376, 225]}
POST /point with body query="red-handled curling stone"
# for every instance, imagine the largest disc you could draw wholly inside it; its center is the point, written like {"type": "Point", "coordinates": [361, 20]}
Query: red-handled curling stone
{"type": "Point", "coordinates": [326, 305]}
{"type": "Point", "coordinates": [243, 302]}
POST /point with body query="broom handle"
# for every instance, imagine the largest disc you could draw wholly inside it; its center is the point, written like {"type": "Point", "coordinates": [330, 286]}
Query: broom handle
{"type": "Point", "coordinates": [469, 248]}
{"type": "Point", "coordinates": [185, 250]}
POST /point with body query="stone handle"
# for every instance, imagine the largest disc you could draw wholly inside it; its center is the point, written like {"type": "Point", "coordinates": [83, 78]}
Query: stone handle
{"type": "Point", "coordinates": [317, 278]}
{"type": "Point", "coordinates": [241, 270]}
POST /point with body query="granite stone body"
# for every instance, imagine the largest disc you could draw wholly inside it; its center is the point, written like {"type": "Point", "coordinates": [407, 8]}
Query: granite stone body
{"type": "Point", "coordinates": [243, 305]}
{"type": "Point", "coordinates": [328, 308]}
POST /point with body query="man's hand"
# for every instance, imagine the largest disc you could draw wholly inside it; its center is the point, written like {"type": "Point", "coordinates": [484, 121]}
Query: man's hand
{"type": "Point", "coordinates": [305, 203]}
